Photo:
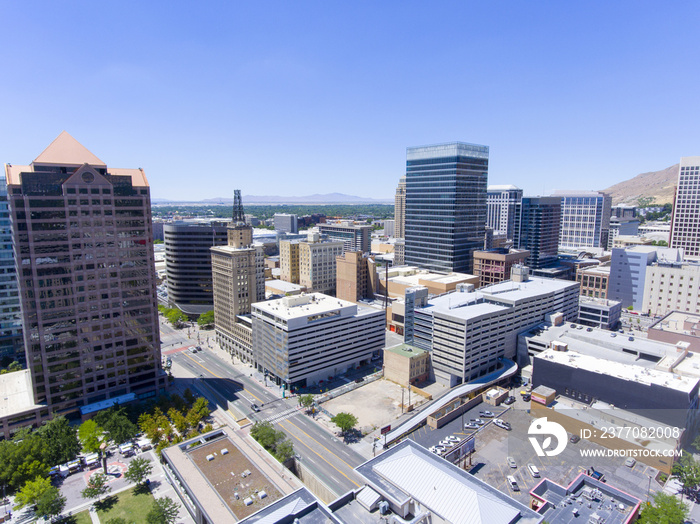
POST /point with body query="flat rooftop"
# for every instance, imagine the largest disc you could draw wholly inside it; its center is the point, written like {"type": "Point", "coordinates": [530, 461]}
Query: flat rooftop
{"type": "Point", "coordinates": [406, 350]}
{"type": "Point", "coordinates": [16, 393]}
{"type": "Point", "coordinates": [300, 306]}
{"type": "Point", "coordinates": [283, 286]}
{"type": "Point", "coordinates": [680, 323]}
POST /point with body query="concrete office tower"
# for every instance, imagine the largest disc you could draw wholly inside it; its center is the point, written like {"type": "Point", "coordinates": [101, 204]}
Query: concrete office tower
{"type": "Point", "coordinates": [188, 263]}
{"type": "Point", "coordinates": [400, 209]}
{"type": "Point", "coordinates": [353, 282]}
{"type": "Point", "coordinates": [501, 202]}
{"type": "Point", "coordinates": [238, 273]}
{"type": "Point", "coordinates": [289, 261]}
{"type": "Point", "coordinates": [585, 219]}
{"type": "Point", "coordinates": [355, 237]}
{"type": "Point", "coordinates": [83, 240]}
{"type": "Point", "coordinates": [445, 205]}
{"type": "Point", "coordinates": [537, 222]}
{"type": "Point", "coordinates": [317, 263]}
{"type": "Point", "coordinates": [685, 225]}
{"type": "Point", "coordinates": [303, 339]}
{"type": "Point", "coordinates": [11, 344]}
{"type": "Point", "coordinates": [671, 285]}
{"type": "Point", "coordinates": [390, 228]}
{"type": "Point", "coordinates": [286, 223]}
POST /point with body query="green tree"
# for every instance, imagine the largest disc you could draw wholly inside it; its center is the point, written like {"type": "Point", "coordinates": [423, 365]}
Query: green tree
{"type": "Point", "coordinates": [60, 441]}
{"type": "Point", "coordinates": [96, 487]}
{"type": "Point", "coordinates": [274, 441]}
{"type": "Point", "coordinates": [138, 471]}
{"type": "Point", "coordinates": [306, 400]}
{"type": "Point", "coordinates": [666, 509]}
{"type": "Point", "coordinates": [22, 459]}
{"type": "Point", "coordinates": [50, 503]}
{"type": "Point", "coordinates": [179, 421]}
{"type": "Point", "coordinates": [344, 421]}
{"type": "Point", "coordinates": [91, 436]}
{"type": "Point", "coordinates": [188, 396]}
{"type": "Point", "coordinates": [206, 319]}
{"type": "Point", "coordinates": [117, 425]}
{"type": "Point", "coordinates": [284, 450]}
{"type": "Point", "coordinates": [687, 471]}
{"type": "Point", "coordinates": [198, 411]}
{"type": "Point", "coordinates": [32, 491]}
{"type": "Point", "coordinates": [176, 317]}
{"type": "Point", "coordinates": [11, 368]}
{"type": "Point", "coordinates": [163, 511]}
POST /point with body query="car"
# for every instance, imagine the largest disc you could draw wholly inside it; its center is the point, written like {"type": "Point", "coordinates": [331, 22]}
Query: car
{"type": "Point", "coordinates": [533, 471]}
{"type": "Point", "coordinates": [512, 483]}
{"type": "Point", "coordinates": [199, 348]}
{"type": "Point", "coordinates": [527, 397]}
{"type": "Point", "coordinates": [440, 447]}
{"type": "Point", "coordinates": [470, 425]}
{"type": "Point", "coordinates": [486, 414]}
{"type": "Point", "coordinates": [574, 439]}
{"type": "Point", "coordinates": [511, 462]}
{"type": "Point", "coordinates": [523, 392]}
{"type": "Point", "coordinates": [192, 349]}
{"type": "Point", "coordinates": [509, 400]}
{"type": "Point", "coordinates": [476, 421]}
{"type": "Point", "coordinates": [453, 438]}
{"type": "Point", "coordinates": [502, 424]}
{"type": "Point", "coordinates": [255, 408]}
{"type": "Point", "coordinates": [432, 449]}
{"type": "Point", "coordinates": [630, 462]}
{"type": "Point", "coordinates": [359, 380]}
{"type": "Point", "coordinates": [446, 443]}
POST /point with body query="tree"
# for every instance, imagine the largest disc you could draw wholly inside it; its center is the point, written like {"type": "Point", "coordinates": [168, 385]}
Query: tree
{"type": "Point", "coordinates": [198, 411]}
{"type": "Point", "coordinates": [91, 436]}
{"type": "Point", "coordinates": [96, 487]}
{"type": "Point", "coordinates": [284, 450]}
{"type": "Point", "coordinates": [344, 421]}
{"type": "Point", "coordinates": [32, 491]}
{"type": "Point", "coordinates": [306, 400]}
{"type": "Point", "coordinates": [51, 502]}
{"type": "Point", "coordinates": [115, 422]}
{"type": "Point", "coordinates": [666, 509]}
{"type": "Point", "coordinates": [206, 319]}
{"type": "Point", "coordinates": [272, 440]}
{"type": "Point", "coordinates": [138, 471]}
{"type": "Point", "coordinates": [60, 441]}
{"type": "Point", "coordinates": [163, 511]}
{"type": "Point", "coordinates": [687, 471]}
{"type": "Point", "coordinates": [22, 459]}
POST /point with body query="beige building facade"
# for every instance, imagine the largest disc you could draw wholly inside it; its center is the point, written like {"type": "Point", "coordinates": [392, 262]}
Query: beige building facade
{"type": "Point", "coordinates": [406, 365]}
{"type": "Point", "coordinates": [594, 281]}
{"type": "Point", "coordinates": [672, 287]}
{"type": "Point", "coordinates": [353, 281]}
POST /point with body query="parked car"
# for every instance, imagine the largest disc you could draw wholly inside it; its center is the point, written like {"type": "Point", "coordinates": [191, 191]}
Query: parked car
{"type": "Point", "coordinates": [453, 438]}
{"type": "Point", "coordinates": [477, 421]}
{"type": "Point", "coordinates": [630, 462]}
{"type": "Point", "coordinates": [486, 414]}
{"type": "Point", "coordinates": [533, 471]}
{"type": "Point", "coordinates": [470, 425]}
{"type": "Point", "coordinates": [502, 424]}
{"type": "Point", "coordinates": [574, 439]}
{"type": "Point", "coordinates": [255, 408]}
{"type": "Point", "coordinates": [509, 400]}
{"type": "Point", "coordinates": [512, 483]}
{"type": "Point", "coordinates": [527, 397]}
{"type": "Point", "coordinates": [511, 462]}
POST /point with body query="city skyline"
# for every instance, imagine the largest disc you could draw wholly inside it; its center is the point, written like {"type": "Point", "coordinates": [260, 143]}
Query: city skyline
{"type": "Point", "coordinates": [565, 96]}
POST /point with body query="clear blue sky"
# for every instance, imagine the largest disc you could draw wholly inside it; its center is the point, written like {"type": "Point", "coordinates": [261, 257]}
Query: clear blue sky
{"type": "Point", "coordinates": [295, 98]}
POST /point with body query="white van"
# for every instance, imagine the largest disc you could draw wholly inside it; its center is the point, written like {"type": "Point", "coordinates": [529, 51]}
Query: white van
{"type": "Point", "coordinates": [512, 483]}
{"type": "Point", "coordinates": [533, 471]}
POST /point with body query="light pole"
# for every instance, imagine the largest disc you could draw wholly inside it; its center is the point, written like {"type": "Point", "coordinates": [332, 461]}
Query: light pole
{"type": "Point", "coordinates": [648, 488]}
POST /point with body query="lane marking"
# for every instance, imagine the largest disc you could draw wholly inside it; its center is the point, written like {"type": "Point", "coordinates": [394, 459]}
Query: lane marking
{"type": "Point", "coordinates": [217, 376]}
{"type": "Point", "coordinates": [317, 453]}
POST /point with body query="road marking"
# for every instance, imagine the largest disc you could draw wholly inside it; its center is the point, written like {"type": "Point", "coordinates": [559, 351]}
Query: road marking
{"type": "Point", "coordinates": [321, 456]}
{"type": "Point", "coordinates": [278, 417]}
{"type": "Point", "coordinates": [217, 376]}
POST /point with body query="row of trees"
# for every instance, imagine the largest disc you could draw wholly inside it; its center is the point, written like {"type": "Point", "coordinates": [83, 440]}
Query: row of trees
{"type": "Point", "coordinates": [175, 422]}
{"type": "Point", "coordinates": [173, 315]}
{"type": "Point", "coordinates": [272, 440]}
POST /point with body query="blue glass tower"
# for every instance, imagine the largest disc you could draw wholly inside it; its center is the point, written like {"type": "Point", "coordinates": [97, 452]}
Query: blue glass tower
{"type": "Point", "coordinates": [445, 205]}
{"type": "Point", "coordinates": [11, 342]}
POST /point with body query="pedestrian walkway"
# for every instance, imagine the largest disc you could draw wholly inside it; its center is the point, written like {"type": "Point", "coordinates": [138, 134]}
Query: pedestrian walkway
{"type": "Point", "coordinates": [279, 417]}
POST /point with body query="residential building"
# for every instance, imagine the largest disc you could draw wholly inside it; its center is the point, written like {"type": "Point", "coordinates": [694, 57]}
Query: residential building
{"type": "Point", "coordinates": [188, 263]}
{"type": "Point", "coordinates": [599, 312]}
{"type": "Point", "coordinates": [468, 333]}
{"type": "Point", "coordinates": [300, 340]}
{"type": "Point", "coordinates": [390, 228]}
{"type": "Point", "coordinates": [537, 222]}
{"type": "Point", "coordinates": [628, 272]}
{"type": "Point", "coordinates": [494, 265]}
{"type": "Point", "coordinates": [671, 285]}
{"type": "Point", "coordinates": [399, 252]}
{"type": "Point", "coordinates": [585, 219]}
{"type": "Point", "coordinates": [238, 274]}
{"type": "Point", "coordinates": [355, 237]}
{"type": "Point", "coordinates": [406, 364]}
{"type": "Point", "coordinates": [11, 343]}
{"type": "Point", "coordinates": [289, 261]}
{"type": "Point", "coordinates": [677, 327]}
{"type": "Point", "coordinates": [445, 205]}
{"type": "Point", "coordinates": [685, 224]}
{"type": "Point", "coordinates": [502, 202]}
{"type": "Point", "coordinates": [594, 281]}
{"type": "Point", "coordinates": [353, 281]}
{"type": "Point", "coordinates": [286, 223]}
{"type": "Point", "coordinates": [87, 278]}
{"type": "Point", "coordinates": [400, 209]}
{"type": "Point", "coordinates": [317, 265]}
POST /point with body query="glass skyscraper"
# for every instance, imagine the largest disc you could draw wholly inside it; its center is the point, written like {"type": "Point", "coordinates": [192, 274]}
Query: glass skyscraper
{"type": "Point", "coordinates": [445, 205]}
{"type": "Point", "coordinates": [11, 343]}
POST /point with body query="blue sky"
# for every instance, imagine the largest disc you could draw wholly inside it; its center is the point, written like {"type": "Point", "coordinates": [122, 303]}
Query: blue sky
{"type": "Point", "coordinates": [295, 98]}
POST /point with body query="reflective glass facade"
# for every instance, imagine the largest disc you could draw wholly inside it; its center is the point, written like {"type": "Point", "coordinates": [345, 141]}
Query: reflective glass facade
{"type": "Point", "coordinates": [10, 317]}
{"type": "Point", "coordinates": [445, 205]}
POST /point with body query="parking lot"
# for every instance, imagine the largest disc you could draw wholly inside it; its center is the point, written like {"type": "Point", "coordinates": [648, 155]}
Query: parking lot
{"type": "Point", "coordinates": [493, 445]}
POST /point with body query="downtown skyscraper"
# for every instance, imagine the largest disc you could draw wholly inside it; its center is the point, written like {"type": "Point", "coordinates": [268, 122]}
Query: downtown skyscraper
{"type": "Point", "coordinates": [445, 205]}
{"type": "Point", "coordinates": [83, 242]}
{"type": "Point", "coordinates": [685, 226]}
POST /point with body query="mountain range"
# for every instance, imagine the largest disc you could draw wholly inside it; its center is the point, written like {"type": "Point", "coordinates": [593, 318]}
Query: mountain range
{"type": "Point", "coordinates": [329, 198]}
{"type": "Point", "coordinates": [661, 185]}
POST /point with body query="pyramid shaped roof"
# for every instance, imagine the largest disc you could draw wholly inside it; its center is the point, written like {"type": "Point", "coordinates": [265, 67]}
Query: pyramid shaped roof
{"type": "Point", "coordinates": [66, 150]}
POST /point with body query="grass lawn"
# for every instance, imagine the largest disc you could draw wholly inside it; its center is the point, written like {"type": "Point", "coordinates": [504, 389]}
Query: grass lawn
{"type": "Point", "coordinates": [129, 505]}
{"type": "Point", "coordinates": [79, 518]}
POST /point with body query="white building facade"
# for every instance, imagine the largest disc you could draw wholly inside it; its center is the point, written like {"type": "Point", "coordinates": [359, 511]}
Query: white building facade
{"type": "Point", "coordinates": [685, 227]}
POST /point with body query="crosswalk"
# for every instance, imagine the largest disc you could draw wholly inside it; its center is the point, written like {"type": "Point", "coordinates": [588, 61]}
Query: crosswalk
{"type": "Point", "coordinates": [284, 415]}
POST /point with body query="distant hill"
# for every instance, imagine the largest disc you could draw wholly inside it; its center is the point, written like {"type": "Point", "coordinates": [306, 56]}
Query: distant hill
{"type": "Point", "coordinates": [658, 184]}
{"type": "Point", "coordinates": [330, 198]}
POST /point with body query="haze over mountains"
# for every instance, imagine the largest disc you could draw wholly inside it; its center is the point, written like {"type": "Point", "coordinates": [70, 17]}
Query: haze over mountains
{"type": "Point", "coordinates": [329, 198]}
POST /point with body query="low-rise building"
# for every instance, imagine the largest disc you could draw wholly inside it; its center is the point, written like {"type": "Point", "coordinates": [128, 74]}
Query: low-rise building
{"type": "Point", "coordinates": [353, 282]}
{"type": "Point", "coordinates": [594, 281]}
{"type": "Point", "coordinates": [599, 312]}
{"type": "Point", "coordinates": [671, 286]}
{"type": "Point", "coordinates": [300, 340]}
{"type": "Point", "coordinates": [355, 237]}
{"type": "Point", "coordinates": [406, 364]}
{"type": "Point", "coordinates": [677, 327]}
{"type": "Point", "coordinates": [280, 287]}
{"type": "Point", "coordinates": [493, 266]}
{"type": "Point", "coordinates": [403, 277]}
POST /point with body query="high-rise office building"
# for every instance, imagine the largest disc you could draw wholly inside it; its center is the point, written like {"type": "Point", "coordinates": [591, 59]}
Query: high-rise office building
{"type": "Point", "coordinates": [585, 219]}
{"type": "Point", "coordinates": [84, 246]}
{"type": "Point", "coordinates": [355, 237]}
{"type": "Point", "coordinates": [445, 205]}
{"type": "Point", "coordinates": [286, 223]}
{"type": "Point", "coordinates": [354, 272]}
{"type": "Point", "coordinates": [685, 226]}
{"type": "Point", "coordinates": [188, 263]}
{"type": "Point", "coordinates": [501, 202]}
{"type": "Point", "coordinates": [238, 272]}
{"type": "Point", "coordinates": [400, 209]}
{"type": "Point", "coordinates": [11, 345]}
{"type": "Point", "coordinates": [537, 222]}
